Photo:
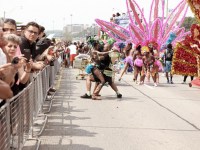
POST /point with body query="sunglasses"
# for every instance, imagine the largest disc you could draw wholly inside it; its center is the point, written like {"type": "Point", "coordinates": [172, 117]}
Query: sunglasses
{"type": "Point", "coordinates": [32, 32]}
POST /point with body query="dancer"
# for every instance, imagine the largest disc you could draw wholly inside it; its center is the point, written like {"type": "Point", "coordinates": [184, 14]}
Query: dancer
{"type": "Point", "coordinates": [138, 63]}
{"type": "Point", "coordinates": [148, 61]}
{"type": "Point", "coordinates": [104, 67]}
{"type": "Point", "coordinates": [128, 61]}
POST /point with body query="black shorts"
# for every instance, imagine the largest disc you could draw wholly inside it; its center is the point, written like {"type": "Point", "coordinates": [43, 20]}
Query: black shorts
{"type": "Point", "coordinates": [108, 79]}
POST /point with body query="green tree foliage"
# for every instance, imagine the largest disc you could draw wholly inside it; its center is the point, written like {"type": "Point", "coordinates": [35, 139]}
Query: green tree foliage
{"type": "Point", "coordinates": [188, 22]}
{"type": "Point", "coordinates": [67, 36]}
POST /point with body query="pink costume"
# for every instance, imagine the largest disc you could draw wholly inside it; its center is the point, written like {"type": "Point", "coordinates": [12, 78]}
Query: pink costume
{"type": "Point", "coordinates": [138, 62]}
{"type": "Point", "coordinates": [129, 60]}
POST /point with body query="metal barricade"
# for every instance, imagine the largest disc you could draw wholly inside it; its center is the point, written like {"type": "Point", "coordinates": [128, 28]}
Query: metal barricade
{"type": "Point", "coordinates": [39, 98]}
{"type": "Point", "coordinates": [18, 115]}
{"type": "Point", "coordinates": [4, 127]}
{"type": "Point", "coordinates": [51, 73]}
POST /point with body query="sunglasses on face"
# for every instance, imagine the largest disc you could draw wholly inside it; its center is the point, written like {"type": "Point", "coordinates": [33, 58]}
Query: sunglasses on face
{"type": "Point", "coordinates": [32, 32]}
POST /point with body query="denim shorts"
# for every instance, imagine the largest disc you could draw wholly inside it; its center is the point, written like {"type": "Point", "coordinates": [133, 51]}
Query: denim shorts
{"type": "Point", "coordinates": [168, 66]}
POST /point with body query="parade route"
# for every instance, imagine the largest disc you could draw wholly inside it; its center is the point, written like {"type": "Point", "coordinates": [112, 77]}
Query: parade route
{"type": "Point", "coordinates": [146, 118]}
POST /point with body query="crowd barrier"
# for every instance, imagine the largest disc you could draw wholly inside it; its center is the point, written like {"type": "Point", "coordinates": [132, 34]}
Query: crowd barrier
{"type": "Point", "coordinates": [19, 114]}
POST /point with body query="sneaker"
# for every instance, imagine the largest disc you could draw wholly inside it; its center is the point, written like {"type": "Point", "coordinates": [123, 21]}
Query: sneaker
{"type": "Point", "coordinates": [141, 83]}
{"type": "Point", "coordinates": [155, 84]}
{"type": "Point", "coordinates": [86, 96]}
{"type": "Point", "coordinates": [171, 82]}
{"type": "Point", "coordinates": [52, 90]}
{"type": "Point", "coordinates": [119, 79]}
{"type": "Point", "coordinates": [119, 95]}
{"type": "Point", "coordinates": [168, 81]}
{"type": "Point", "coordinates": [183, 82]}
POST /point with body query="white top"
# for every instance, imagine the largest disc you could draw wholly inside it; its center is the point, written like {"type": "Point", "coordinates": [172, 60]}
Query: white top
{"type": "Point", "coordinates": [72, 49]}
{"type": "Point", "coordinates": [3, 59]}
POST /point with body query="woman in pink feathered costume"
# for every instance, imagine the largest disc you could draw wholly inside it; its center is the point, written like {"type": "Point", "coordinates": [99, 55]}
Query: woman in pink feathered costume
{"type": "Point", "coordinates": [128, 61]}
{"type": "Point", "coordinates": [138, 63]}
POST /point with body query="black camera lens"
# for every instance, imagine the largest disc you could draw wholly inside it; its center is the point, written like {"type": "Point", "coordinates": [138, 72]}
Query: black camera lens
{"type": "Point", "coordinates": [15, 60]}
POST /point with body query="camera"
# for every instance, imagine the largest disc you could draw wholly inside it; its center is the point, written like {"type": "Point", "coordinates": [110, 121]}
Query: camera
{"type": "Point", "coordinates": [15, 60]}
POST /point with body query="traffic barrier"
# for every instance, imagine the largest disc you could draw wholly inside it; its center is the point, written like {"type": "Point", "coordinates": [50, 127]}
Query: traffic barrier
{"type": "Point", "coordinates": [19, 115]}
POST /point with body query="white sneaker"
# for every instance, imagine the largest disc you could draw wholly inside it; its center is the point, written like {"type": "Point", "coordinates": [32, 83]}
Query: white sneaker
{"type": "Point", "coordinates": [141, 83]}
{"type": "Point", "coordinates": [155, 84]}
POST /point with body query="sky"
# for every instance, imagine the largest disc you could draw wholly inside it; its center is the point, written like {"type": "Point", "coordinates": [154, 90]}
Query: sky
{"type": "Point", "coordinates": [54, 14]}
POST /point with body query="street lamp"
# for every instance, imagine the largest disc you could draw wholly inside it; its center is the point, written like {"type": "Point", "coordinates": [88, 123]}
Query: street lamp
{"type": "Point", "coordinates": [53, 26]}
{"type": "Point", "coordinates": [94, 25]}
{"type": "Point", "coordinates": [71, 24]}
{"type": "Point", "coordinates": [167, 9]}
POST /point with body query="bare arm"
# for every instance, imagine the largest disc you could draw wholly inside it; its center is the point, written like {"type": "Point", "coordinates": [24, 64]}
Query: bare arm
{"type": "Point", "coordinates": [24, 74]}
{"type": "Point", "coordinates": [5, 91]}
{"type": "Point", "coordinates": [105, 53]}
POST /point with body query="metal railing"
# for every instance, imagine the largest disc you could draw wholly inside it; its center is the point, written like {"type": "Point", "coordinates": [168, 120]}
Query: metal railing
{"type": "Point", "coordinates": [19, 114]}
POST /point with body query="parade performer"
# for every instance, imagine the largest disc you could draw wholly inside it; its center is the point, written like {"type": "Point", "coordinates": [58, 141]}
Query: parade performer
{"type": "Point", "coordinates": [186, 55]}
{"type": "Point", "coordinates": [138, 63]}
{"type": "Point", "coordinates": [96, 69]}
{"type": "Point", "coordinates": [155, 30]}
{"type": "Point", "coordinates": [128, 61]}
{"type": "Point", "coordinates": [187, 52]}
{"type": "Point", "coordinates": [148, 65]}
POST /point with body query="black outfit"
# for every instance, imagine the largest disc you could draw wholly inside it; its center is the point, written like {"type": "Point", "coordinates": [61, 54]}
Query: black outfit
{"type": "Point", "coordinates": [185, 77]}
{"type": "Point", "coordinates": [16, 88]}
{"type": "Point", "coordinates": [28, 48]}
{"type": "Point", "coordinates": [104, 65]}
{"type": "Point", "coordinates": [168, 54]}
{"type": "Point", "coordinates": [42, 44]}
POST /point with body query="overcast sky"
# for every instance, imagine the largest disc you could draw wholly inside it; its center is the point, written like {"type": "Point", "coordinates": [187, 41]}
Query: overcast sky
{"type": "Point", "coordinates": [54, 14]}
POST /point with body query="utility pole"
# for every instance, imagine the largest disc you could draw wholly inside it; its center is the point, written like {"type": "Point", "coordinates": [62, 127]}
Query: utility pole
{"type": "Point", "coordinates": [167, 9]}
{"type": "Point", "coordinates": [4, 15]}
{"type": "Point", "coordinates": [53, 26]}
{"type": "Point", "coordinates": [71, 24]}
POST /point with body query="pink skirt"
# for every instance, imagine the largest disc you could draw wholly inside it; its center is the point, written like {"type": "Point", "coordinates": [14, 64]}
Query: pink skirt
{"type": "Point", "coordinates": [129, 60]}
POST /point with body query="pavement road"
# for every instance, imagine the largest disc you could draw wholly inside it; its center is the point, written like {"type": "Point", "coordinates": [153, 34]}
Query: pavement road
{"type": "Point", "coordinates": [166, 117]}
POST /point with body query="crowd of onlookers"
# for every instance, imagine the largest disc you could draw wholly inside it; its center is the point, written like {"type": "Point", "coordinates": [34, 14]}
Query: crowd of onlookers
{"type": "Point", "coordinates": [22, 52]}
{"type": "Point", "coordinates": [120, 19]}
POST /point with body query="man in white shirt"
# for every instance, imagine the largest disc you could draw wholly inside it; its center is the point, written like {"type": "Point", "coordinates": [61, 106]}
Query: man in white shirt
{"type": "Point", "coordinates": [73, 53]}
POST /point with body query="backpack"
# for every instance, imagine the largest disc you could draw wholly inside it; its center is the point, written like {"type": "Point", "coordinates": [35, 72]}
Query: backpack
{"type": "Point", "coordinates": [168, 54]}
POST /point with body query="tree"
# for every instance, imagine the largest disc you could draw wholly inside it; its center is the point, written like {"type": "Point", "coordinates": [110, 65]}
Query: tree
{"type": "Point", "coordinates": [67, 36]}
{"type": "Point", "coordinates": [188, 22]}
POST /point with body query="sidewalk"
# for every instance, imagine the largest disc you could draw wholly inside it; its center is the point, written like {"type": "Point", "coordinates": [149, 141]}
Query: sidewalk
{"type": "Point", "coordinates": [146, 118]}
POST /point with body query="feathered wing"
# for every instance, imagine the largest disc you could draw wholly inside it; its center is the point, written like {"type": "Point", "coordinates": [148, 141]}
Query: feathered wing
{"type": "Point", "coordinates": [113, 30]}
{"type": "Point", "coordinates": [174, 16]}
{"type": "Point", "coordinates": [134, 12]}
{"type": "Point", "coordinates": [136, 33]}
{"type": "Point", "coordinates": [154, 10]}
{"type": "Point", "coordinates": [155, 31]}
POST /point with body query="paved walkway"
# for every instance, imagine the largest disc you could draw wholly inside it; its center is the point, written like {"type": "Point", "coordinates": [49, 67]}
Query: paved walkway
{"type": "Point", "coordinates": [146, 118]}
